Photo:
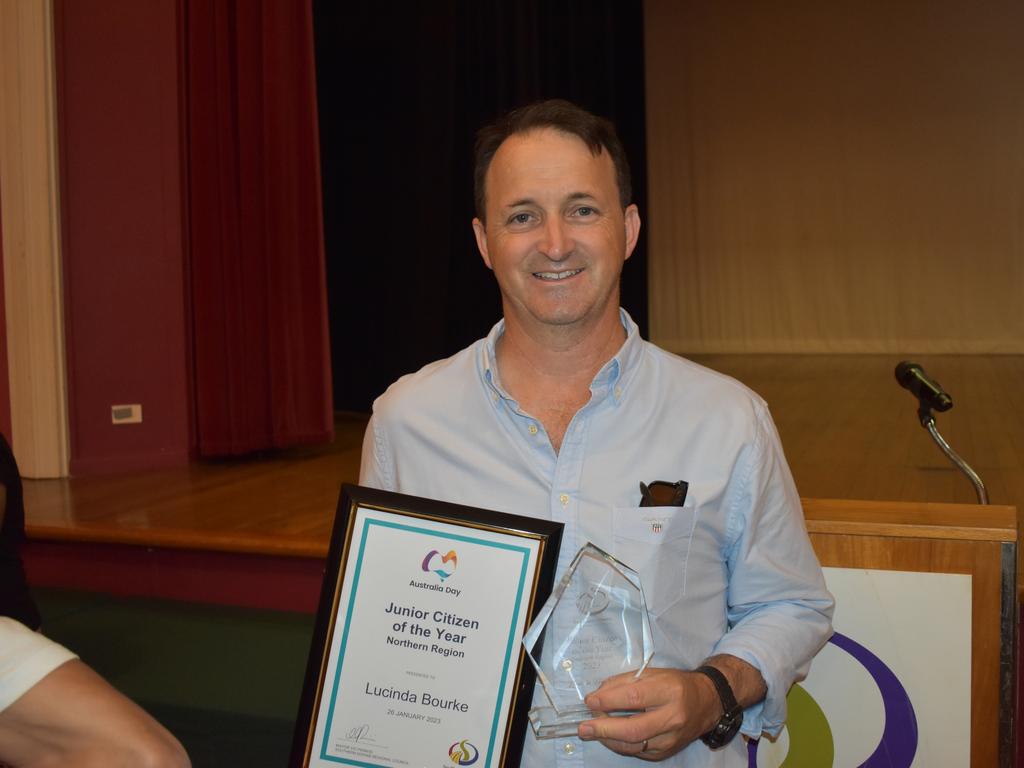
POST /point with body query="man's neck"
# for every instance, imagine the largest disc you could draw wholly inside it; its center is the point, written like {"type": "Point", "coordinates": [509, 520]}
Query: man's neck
{"type": "Point", "coordinates": [549, 370]}
{"type": "Point", "coordinates": [558, 352]}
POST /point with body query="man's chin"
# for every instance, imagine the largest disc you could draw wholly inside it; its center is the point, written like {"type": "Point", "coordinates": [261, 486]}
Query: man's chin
{"type": "Point", "coordinates": [559, 316]}
{"type": "Point", "coordinates": [567, 318]}
{"type": "Point", "coordinates": [567, 315]}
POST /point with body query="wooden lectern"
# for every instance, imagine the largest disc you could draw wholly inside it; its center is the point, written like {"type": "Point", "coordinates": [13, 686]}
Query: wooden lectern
{"type": "Point", "coordinates": [979, 541]}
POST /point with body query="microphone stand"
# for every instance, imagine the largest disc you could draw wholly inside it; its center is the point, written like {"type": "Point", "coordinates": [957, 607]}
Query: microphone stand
{"type": "Point", "coordinates": [924, 413]}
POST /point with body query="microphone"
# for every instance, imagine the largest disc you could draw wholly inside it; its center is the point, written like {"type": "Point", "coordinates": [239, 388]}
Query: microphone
{"type": "Point", "coordinates": [929, 392]}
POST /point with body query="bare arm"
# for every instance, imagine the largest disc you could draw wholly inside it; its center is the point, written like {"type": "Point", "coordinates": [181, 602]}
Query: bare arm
{"type": "Point", "coordinates": [74, 717]}
{"type": "Point", "coordinates": [676, 707]}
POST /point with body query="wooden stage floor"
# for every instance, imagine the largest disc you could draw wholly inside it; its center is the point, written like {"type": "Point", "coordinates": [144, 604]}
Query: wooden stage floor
{"type": "Point", "coordinates": [849, 432]}
{"type": "Point", "coordinates": [279, 503]}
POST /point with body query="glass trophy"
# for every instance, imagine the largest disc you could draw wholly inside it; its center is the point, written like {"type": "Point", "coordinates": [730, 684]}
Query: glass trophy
{"type": "Point", "coordinates": [594, 625]}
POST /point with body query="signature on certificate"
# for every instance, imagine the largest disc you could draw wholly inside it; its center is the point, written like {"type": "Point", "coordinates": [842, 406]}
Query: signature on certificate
{"type": "Point", "coordinates": [359, 733]}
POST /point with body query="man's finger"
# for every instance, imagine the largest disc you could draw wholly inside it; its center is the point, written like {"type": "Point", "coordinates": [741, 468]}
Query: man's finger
{"type": "Point", "coordinates": [622, 678]}
{"type": "Point", "coordinates": [629, 695]}
{"type": "Point", "coordinates": [630, 748]}
{"type": "Point", "coordinates": [631, 729]}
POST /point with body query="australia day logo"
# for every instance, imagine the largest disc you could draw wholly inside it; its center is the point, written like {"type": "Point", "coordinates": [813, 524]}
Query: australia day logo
{"type": "Point", "coordinates": [811, 741]}
{"type": "Point", "coordinates": [443, 565]}
{"type": "Point", "coordinates": [462, 752]}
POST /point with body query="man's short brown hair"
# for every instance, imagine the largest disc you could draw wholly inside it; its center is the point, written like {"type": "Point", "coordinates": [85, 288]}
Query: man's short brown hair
{"type": "Point", "coordinates": [596, 132]}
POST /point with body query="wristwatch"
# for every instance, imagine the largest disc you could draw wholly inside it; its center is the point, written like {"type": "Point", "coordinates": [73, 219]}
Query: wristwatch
{"type": "Point", "coordinates": [732, 713]}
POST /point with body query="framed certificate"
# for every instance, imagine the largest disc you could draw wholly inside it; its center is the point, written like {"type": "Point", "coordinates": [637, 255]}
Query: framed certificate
{"type": "Point", "coordinates": [417, 657]}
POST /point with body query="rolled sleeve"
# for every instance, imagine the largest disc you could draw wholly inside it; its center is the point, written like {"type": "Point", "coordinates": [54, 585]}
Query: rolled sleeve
{"type": "Point", "coordinates": [779, 611]}
{"type": "Point", "coordinates": [26, 657]}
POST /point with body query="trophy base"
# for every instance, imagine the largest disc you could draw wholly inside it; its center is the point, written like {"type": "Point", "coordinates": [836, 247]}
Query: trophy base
{"type": "Point", "coordinates": [549, 723]}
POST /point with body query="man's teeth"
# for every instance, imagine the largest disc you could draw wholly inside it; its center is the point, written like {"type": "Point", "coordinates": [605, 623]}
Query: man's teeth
{"type": "Point", "coordinates": [557, 275]}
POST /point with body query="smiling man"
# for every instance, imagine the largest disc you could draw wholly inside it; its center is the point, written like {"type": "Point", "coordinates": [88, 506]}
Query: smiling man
{"type": "Point", "coordinates": [563, 410]}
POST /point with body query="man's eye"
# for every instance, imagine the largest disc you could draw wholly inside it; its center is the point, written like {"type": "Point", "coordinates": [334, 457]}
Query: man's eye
{"type": "Point", "coordinates": [520, 218]}
{"type": "Point", "coordinates": [585, 210]}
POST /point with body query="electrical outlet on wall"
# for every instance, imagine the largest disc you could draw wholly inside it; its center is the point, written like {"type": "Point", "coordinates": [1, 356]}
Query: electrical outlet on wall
{"type": "Point", "coordinates": [126, 414]}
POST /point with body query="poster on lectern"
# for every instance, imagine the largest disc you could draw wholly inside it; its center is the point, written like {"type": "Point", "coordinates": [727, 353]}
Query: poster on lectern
{"type": "Point", "coordinates": [416, 658]}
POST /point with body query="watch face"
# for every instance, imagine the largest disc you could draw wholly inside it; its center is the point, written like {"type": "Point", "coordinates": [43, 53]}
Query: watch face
{"type": "Point", "coordinates": [733, 727]}
{"type": "Point", "coordinates": [725, 730]}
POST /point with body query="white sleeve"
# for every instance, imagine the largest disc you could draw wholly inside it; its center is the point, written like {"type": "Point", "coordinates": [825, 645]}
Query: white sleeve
{"type": "Point", "coordinates": [375, 469]}
{"type": "Point", "coordinates": [26, 657]}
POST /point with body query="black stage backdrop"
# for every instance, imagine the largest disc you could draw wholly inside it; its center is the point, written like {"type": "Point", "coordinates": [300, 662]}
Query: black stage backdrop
{"type": "Point", "coordinates": [402, 89]}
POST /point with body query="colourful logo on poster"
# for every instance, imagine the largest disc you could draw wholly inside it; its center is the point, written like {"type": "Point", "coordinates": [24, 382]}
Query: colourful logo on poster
{"type": "Point", "coordinates": [443, 565]}
{"type": "Point", "coordinates": [810, 737]}
{"type": "Point", "coordinates": [462, 752]}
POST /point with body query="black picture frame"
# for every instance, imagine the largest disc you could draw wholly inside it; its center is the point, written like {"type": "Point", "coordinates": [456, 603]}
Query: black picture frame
{"type": "Point", "coordinates": [546, 533]}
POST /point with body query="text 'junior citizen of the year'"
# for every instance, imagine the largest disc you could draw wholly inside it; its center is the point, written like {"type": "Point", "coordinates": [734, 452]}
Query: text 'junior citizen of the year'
{"type": "Point", "coordinates": [441, 628]}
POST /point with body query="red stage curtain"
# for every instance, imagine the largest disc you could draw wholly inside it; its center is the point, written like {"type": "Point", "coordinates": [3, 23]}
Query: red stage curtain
{"type": "Point", "coordinates": [259, 308]}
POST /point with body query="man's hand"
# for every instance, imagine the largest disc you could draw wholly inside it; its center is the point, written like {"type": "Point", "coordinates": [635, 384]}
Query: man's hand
{"type": "Point", "coordinates": [676, 708]}
{"type": "Point", "coordinates": [673, 707]}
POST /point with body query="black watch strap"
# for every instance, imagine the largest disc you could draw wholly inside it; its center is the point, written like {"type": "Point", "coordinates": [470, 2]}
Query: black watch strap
{"type": "Point", "coordinates": [732, 714]}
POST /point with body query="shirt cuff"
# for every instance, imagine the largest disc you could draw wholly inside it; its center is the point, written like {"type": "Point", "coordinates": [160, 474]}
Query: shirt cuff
{"type": "Point", "coordinates": [769, 715]}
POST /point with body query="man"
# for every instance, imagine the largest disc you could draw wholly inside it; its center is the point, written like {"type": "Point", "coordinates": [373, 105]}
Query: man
{"type": "Point", "coordinates": [563, 410]}
{"type": "Point", "coordinates": [54, 710]}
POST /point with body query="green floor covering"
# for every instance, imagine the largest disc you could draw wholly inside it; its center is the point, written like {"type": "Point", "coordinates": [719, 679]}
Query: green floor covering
{"type": "Point", "coordinates": [225, 681]}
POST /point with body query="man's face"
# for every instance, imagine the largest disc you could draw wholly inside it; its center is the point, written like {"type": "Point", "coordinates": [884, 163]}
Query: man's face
{"type": "Point", "coordinates": [556, 234]}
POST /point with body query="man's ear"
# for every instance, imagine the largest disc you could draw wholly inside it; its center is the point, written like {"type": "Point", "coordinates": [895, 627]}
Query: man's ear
{"type": "Point", "coordinates": [632, 224]}
{"type": "Point", "coordinates": [481, 241]}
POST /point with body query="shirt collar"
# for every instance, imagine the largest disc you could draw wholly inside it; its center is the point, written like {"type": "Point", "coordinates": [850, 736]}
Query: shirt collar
{"type": "Point", "coordinates": [488, 361]}
{"type": "Point", "coordinates": [614, 376]}
{"type": "Point", "coordinates": [623, 366]}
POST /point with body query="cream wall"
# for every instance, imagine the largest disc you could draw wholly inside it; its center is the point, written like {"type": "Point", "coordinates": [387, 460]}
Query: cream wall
{"type": "Point", "coordinates": [836, 176]}
{"type": "Point", "coordinates": [29, 209]}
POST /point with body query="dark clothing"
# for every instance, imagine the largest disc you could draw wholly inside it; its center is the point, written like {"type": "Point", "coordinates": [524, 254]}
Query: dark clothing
{"type": "Point", "coordinates": [15, 600]}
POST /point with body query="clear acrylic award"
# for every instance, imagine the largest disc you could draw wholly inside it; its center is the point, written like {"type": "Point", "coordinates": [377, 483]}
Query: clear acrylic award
{"type": "Point", "coordinates": [594, 625]}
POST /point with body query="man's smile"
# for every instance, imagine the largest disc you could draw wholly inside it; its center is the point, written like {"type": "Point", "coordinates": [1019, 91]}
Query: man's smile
{"type": "Point", "coordinates": [557, 275]}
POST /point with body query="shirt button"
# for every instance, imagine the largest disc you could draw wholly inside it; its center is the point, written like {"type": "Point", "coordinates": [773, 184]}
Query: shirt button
{"type": "Point", "coordinates": [568, 747]}
{"type": "Point", "coordinates": [618, 391]}
{"type": "Point", "coordinates": [533, 429]}
{"type": "Point", "coordinates": [564, 498]}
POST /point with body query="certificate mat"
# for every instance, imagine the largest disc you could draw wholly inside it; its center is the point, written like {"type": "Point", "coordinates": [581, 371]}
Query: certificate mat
{"type": "Point", "coordinates": [417, 659]}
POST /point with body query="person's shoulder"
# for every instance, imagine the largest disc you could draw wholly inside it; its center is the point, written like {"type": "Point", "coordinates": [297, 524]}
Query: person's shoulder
{"type": "Point", "coordinates": [698, 383]}
{"type": "Point", "coordinates": [435, 383]}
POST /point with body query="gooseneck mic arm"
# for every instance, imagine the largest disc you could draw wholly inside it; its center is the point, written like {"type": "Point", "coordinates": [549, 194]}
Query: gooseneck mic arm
{"type": "Point", "coordinates": [979, 487]}
{"type": "Point", "coordinates": [929, 394]}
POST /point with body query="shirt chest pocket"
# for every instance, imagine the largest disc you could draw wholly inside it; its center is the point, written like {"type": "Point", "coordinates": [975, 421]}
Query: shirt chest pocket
{"type": "Point", "coordinates": [655, 542]}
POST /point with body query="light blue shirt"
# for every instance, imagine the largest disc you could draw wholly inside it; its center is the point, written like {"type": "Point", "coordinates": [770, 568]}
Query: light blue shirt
{"type": "Point", "coordinates": [732, 571]}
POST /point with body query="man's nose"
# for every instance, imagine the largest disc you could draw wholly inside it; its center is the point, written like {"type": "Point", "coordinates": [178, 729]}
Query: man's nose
{"type": "Point", "coordinates": [556, 242]}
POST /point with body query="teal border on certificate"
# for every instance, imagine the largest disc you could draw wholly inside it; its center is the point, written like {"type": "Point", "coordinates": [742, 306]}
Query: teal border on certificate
{"type": "Point", "coordinates": [525, 552]}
